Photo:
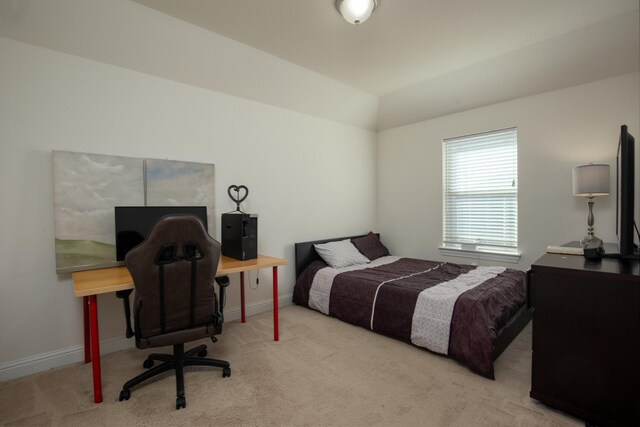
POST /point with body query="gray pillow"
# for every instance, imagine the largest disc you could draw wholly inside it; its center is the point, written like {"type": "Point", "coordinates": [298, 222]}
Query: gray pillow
{"type": "Point", "coordinates": [340, 254]}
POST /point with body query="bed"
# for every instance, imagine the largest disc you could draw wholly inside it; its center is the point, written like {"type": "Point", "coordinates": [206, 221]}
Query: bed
{"type": "Point", "coordinates": [468, 313]}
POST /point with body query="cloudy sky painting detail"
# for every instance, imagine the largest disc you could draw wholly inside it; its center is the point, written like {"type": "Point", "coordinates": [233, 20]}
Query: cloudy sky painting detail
{"type": "Point", "coordinates": [176, 183]}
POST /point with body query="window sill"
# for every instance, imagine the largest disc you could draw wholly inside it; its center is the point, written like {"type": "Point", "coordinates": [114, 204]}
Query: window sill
{"type": "Point", "coordinates": [474, 254]}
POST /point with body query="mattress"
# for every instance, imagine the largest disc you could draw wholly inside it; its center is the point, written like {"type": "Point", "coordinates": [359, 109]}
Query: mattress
{"type": "Point", "coordinates": [452, 309]}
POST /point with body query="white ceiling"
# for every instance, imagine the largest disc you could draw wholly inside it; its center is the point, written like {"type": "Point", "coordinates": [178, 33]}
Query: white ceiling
{"type": "Point", "coordinates": [404, 43]}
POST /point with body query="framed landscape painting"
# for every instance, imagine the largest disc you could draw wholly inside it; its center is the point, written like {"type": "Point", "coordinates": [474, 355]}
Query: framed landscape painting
{"type": "Point", "coordinates": [86, 188]}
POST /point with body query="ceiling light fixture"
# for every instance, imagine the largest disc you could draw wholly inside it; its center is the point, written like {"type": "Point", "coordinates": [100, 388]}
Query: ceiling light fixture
{"type": "Point", "coordinates": [356, 11]}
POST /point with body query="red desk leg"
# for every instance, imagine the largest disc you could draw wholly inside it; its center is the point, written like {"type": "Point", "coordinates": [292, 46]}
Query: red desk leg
{"type": "Point", "coordinates": [275, 304]}
{"type": "Point", "coordinates": [95, 349]}
{"type": "Point", "coordinates": [243, 319]}
{"type": "Point", "coordinates": [87, 334]}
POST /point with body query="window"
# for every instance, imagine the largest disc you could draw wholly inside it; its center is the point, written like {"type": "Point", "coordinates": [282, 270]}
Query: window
{"type": "Point", "coordinates": [480, 196]}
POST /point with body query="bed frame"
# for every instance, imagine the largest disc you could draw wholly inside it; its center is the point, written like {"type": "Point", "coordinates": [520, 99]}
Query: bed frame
{"type": "Point", "coordinates": [306, 254]}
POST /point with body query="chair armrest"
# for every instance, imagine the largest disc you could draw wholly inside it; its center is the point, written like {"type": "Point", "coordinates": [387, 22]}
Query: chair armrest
{"type": "Point", "coordinates": [223, 282]}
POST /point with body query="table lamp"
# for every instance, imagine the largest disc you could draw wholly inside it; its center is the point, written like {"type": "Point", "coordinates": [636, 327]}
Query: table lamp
{"type": "Point", "coordinates": [590, 181]}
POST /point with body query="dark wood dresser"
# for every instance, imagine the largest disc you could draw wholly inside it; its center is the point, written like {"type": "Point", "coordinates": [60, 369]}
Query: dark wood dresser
{"type": "Point", "coordinates": [586, 337]}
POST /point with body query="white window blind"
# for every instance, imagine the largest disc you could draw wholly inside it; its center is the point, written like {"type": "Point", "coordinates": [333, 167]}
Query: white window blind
{"type": "Point", "coordinates": [481, 192]}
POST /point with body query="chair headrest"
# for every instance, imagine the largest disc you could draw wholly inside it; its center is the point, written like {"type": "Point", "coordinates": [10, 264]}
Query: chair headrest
{"type": "Point", "coordinates": [176, 237]}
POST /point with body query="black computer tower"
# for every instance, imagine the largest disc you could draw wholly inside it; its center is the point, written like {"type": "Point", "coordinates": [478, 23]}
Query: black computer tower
{"type": "Point", "coordinates": [240, 236]}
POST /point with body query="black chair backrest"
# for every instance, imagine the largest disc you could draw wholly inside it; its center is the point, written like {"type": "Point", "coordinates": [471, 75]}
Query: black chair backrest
{"type": "Point", "coordinates": [173, 272]}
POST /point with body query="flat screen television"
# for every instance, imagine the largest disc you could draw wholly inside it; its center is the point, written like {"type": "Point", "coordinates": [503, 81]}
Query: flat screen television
{"type": "Point", "coordinates": [134, 223]}
{"type": "Point", "coordinates": [625, 195]}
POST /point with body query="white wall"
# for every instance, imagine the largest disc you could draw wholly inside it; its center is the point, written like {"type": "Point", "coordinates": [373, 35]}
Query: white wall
{"type": "Point", "coordinates": [303, 173]}
{"type": "Point", "coordinates": [556, 131]}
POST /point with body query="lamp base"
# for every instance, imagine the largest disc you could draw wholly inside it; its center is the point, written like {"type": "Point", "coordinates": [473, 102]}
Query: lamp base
{"type": "Point", "coordinates": [593, 249]}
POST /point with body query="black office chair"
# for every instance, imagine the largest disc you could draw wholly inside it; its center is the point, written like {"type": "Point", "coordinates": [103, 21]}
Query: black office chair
{"type": "Point", "coordinates": [175, 302]}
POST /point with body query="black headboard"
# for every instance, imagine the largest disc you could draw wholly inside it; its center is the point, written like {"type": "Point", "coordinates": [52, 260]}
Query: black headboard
{"type": "Point", "coordinates": [306, 253]}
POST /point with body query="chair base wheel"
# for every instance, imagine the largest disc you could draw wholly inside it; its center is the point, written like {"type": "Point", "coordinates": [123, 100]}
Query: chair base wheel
{"type": "Point", "coordinates": [181, 402]}
{"type": "Point", "coordinates": [174, 362]}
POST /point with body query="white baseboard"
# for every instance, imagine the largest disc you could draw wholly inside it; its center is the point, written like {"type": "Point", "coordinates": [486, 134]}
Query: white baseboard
{"type": "Point", "coordinates": [66, 356]}
{"type": "Point", "coordinates": [57, 358]}
{"type": "Point", "coordinates": [257, 307]}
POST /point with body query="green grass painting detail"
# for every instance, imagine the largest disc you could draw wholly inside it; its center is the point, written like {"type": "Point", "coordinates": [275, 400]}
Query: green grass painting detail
{"type": "Point", "coordinates": [72, 255]}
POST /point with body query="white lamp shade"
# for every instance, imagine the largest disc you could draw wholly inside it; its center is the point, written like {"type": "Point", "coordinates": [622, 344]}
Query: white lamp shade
{"type": "Point", "coordinates": [356, 11]}
{"type": "Point", "coordinates": [591, 180]}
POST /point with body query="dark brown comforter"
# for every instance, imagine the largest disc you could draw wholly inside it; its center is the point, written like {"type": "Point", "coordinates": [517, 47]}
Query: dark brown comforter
{"type": "Point", "coordinates": [478, 313]}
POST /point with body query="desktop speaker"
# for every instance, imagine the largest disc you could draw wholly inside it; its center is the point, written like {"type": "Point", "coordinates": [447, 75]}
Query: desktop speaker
{"type": "Point", "coordinates": [240, 235]}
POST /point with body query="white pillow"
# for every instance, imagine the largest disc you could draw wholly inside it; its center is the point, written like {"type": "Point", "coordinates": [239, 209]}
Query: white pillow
{"type": "Point", "coordinates": [340, 254]}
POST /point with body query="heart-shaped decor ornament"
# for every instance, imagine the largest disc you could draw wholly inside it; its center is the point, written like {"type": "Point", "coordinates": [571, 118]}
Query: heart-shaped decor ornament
{"type": "Point", "coordinates": [237, 197]}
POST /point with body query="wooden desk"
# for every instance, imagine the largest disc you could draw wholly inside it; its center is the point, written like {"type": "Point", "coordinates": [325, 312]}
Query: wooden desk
{"type": "Point", "coordinates": [88, 284]}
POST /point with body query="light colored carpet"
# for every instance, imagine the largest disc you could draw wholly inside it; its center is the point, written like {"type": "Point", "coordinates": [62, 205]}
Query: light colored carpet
{"type": "Point", "coordinates": [322, 372]}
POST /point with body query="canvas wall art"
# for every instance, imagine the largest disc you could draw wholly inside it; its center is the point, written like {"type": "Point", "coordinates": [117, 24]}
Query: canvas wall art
{"type": "Point", "coordinates": [88, 186]}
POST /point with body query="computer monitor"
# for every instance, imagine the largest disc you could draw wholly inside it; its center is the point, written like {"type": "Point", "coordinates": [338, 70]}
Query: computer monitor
{"type": "Point", "coordinates": [134, 223]}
